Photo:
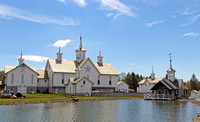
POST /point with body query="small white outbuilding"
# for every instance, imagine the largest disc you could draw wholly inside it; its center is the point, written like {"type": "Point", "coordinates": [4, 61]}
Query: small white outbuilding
{"type": "Point", "coordinates": [194, 94]}
{"type": "Point", "coordinates": [80, 86]}
{"type": "Point", "coordinates": [122, 86]}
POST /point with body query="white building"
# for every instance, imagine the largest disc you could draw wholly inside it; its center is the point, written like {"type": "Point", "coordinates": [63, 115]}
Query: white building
{"type": "Point", "coordinates": [99, 76]}
{"type": "Point", "coordinates": [103, 76]}
{"type": "Point", "coordinates": [21, 78]}
{"type": "Point", "coordinates": [122, 86]}
{"type": "Point", "coordinates": [145, 85]}
{"type": "Point", "coordinates": [42, 82]}
{"type": "Point", "coordinates": [195, 94]}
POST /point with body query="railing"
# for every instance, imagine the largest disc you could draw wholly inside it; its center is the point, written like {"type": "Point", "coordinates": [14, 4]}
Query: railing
{"type": "Point", "coordinates": [159, 96]}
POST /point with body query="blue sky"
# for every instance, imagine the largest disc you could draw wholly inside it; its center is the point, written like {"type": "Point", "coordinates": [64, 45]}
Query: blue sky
{"type": "Point", "coordinates": [133, 35]}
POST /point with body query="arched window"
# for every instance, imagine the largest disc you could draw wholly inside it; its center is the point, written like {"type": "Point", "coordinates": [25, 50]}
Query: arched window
{"type": "Point", "coordinates": [98, 80]}
{"type": "Point", "coordinates": [12, 79]}
{"type": "Point", "coordinates": [22, 79]}
{"type": "Point", "coordinates": [32, 78]}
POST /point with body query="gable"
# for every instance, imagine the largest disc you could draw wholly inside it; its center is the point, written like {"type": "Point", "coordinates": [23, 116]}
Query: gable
{"type": "Point", "coordinates": [11, 68]}
{"type": "Point", "coordinates": [88, 67]}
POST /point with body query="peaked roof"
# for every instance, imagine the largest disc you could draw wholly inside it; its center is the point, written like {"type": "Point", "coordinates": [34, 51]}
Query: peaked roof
{"type": "Point", "coordinates": [74, 81]}
{"type": "Point", "coordinates": [67, 66]}
{"type": "Point", "coordinates": [9, 68]}
{"type": "Point", "coordinates": [104, 69]}
{"type": "Point", "coordinates": [120, 82]}
{"type": "Point", "coordinates": [156, 80]}
{"type": "Point", "coordinates": [42, 74]}
{"type": "Point", "coordinates": [167, 83]}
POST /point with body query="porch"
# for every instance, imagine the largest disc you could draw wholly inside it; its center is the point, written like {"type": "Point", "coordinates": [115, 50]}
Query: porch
{"type": "Point", "coordinates": [159, 97]}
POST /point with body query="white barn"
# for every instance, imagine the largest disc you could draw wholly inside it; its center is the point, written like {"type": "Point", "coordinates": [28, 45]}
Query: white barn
{"type": "Point", "coordinates": [122, 86]}
{"type": "Point", "coordinates": [145, 85]}
{"type": "Point", "coordinates": [21, 78]}
{"type": "Point", "coordinates": [103, 75]}
{"type": "Point", "coordinates": [58, 72]}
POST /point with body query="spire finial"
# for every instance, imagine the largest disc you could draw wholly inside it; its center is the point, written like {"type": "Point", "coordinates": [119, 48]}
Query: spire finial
{"type": "Point", "coordinates": [99, 53]}
{"type": "Point", "coordinates": [59, 49]}
{"type": "Point", "coordinates": [152, 69]}
{"type": "Point", "coordinates": [21, 53]}
{"type": "Point", "coordinates": [80, 46]}
{"type": "Point", "coordinates": [170, 55]}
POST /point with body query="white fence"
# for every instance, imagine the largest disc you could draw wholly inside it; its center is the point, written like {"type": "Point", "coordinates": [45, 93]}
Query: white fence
{"type": "Point", "coordinates": [159, 96]}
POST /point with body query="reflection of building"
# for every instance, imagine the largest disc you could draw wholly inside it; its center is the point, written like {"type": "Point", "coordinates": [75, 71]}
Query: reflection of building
{"type": "Point", "coordinates": [169, 87]}
{"type": "Point", "coordinates": [122, 86]}
{"type": "Point", "coordinates": [58, 72]}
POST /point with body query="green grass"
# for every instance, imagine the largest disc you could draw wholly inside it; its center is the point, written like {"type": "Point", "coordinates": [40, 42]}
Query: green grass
{"type": "Point", "coordinates": [36, 98]}
{"type": "Point", "coordinates": [54, 97]}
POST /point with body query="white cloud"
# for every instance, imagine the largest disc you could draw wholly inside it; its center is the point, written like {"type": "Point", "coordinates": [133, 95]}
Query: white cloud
{"type": "Point", "coordinates": [133, 64]}
{"type": "Point", "coordinates": [192, 20]}
{"type": "Point", "coordinates": [81, 3]}
{"type": "Point", "coordinates": [118, 6]}
{"type": "Point", "coordinates": [8, 12]}
{"type": "Point", "coordinates": [35, 58]}
{"type": "Point", "coordinates": [187, 12]}
{"type": "Point", "coordinates": [61, 43]}
{"type": "Point", "coordinates": [191, 34]}
{"type": "Point", "coordinates": [154, 23]}
{"type": "Point", "coordinates": [62, 1]}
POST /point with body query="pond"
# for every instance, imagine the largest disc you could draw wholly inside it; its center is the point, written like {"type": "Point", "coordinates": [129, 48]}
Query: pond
{"type": "Point", "coordinates": [99, 111]}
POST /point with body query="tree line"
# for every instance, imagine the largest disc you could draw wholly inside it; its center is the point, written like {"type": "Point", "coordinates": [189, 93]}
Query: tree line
{"type": "Point", "coordinates": [193, 84]}
{"type": "Point", "coordinates": [2, 76]}
{"type": "Point", "coordinates": [131, 79]}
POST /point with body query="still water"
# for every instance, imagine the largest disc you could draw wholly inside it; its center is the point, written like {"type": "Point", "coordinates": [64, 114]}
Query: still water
{"type": "Point", "coordinates": [102, 111]}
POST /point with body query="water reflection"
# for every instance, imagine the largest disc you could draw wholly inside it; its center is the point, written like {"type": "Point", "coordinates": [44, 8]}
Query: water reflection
{"type": "Point", "coordinates": [100, 111]}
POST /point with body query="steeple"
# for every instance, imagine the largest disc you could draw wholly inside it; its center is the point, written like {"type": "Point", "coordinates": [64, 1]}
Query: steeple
{"type": "Point", "coordinates": [21, 60]}
{"type": "Point", "coordinates": [170, 60]}
{"type": "Point", "coordinates": [152, 74]}
{"type": "Point", "coordinates": [80, 52]}
{"type": "Point", "coordinates": [100, 59]}
{"type": "Point", "coordinates": [171, 71]}
{"type": "Point", "coordinates": [80, 46]}
{"type": "Point", "coordinates": [59, 56]}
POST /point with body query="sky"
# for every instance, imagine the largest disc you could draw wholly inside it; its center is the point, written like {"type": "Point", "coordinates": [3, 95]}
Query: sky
{"type": "Point", "coordinates": [132, 35]}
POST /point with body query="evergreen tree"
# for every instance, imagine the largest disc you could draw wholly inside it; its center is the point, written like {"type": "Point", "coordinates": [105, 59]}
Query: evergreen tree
{"type": "Point", "coordinates": [194, 83]}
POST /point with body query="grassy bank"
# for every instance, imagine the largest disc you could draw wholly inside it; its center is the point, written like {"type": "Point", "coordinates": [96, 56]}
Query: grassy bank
{"type": "Point", "coordinates": [51, 98]}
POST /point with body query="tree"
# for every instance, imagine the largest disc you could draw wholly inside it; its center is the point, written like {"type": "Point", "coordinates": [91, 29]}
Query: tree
{"type": "Point", "coordinates": [122, 76]}
{"type": "Point", "coordinates": [194, 83]}
{"type": "Point", "coordinates": [2, 76]}
{"type": "Point", "coordinates": [187, 84]}
{"type": "Point", "coordinates": [132, 80]}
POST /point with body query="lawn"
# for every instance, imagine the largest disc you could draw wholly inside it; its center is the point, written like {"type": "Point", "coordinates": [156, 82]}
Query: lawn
{"type": "Point", "coordinates": [39, 98]}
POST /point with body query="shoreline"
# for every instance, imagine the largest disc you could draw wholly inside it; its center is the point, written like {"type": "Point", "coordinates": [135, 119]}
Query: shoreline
{"type": "Point", "coordinates": [67, 101]}
{"type": "Point", "coordinates": [82, 99]}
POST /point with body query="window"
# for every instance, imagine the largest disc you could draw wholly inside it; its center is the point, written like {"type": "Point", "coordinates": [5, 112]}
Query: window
{"type": "Point", "coordinates": [22, 79]}
{"type": "Point", "coordinates": [45, 81]}
{"type": "Point", "coordinates": [98, 80]}
{"type": "Point", "coordinates": [110, 82]}
{"type": "Point", "coordinates": [62, 81]}
{"type": "Point", "coordinates": [12, 78]}
{"type": "Point", "coordinates": [83, 82]}
{"type": "Point", "coordinates": [32, 78]}
{"type": "Point", "coordinates": [37, 80]}
{"type": "Point", "coordinates": [88, 76]}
